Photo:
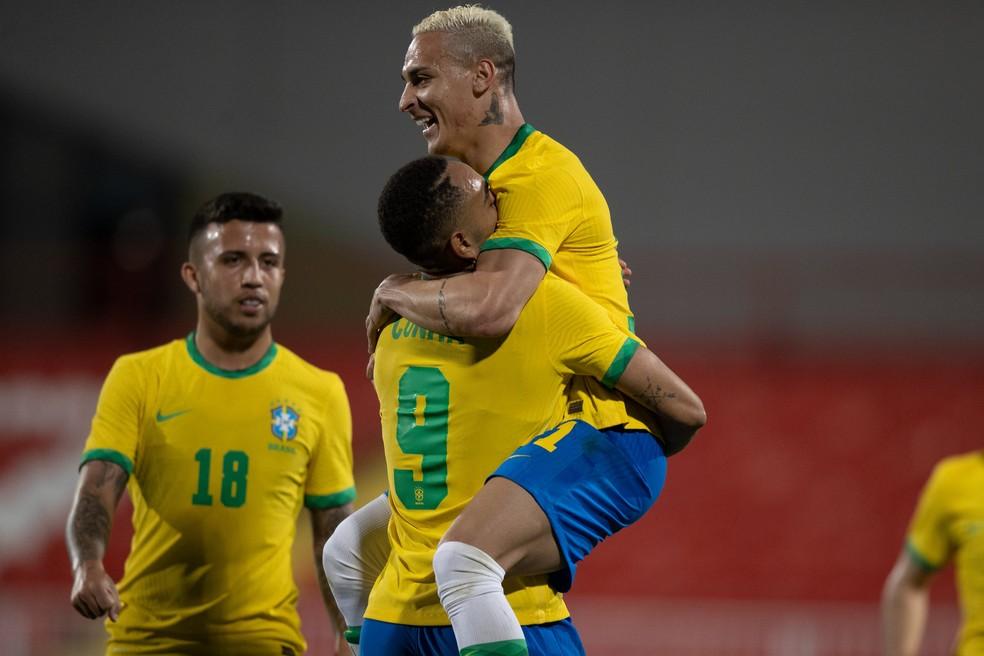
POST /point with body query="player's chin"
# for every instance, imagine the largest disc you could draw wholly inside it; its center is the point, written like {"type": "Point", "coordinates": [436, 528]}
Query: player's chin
{"type": "Point", "coordinates": [250, 326]}
{"type": "Point", "coordinates": [438, 146]}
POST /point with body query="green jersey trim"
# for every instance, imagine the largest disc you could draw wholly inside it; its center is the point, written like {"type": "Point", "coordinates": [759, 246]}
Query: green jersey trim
{"type": "Point", "coordinates": [320, 502]}
{"type": "Point", "coordinates": [620, 362]}
{"type": "Point", "coordinates": [200, 360]}
{"type": "Point", "coordinates": [524, 131]}
{"type": "Point", "coordinates": [519, 243]}
{"type": "Point", "coordinates": [919, 558]}
{"type": "Point", "coordinates": [632, 324]}
{"type": "Point", "coordinates": [110, 455]}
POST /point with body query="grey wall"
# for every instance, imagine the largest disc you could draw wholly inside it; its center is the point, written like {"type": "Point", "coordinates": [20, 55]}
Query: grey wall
{"type": "Point", "coordinates": [788, 171]}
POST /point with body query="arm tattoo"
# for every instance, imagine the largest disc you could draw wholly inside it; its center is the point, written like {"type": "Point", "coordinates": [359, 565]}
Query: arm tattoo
{"type": "Point", "coordinates": [655, 397]}
{"type": "Point", "coordinates": [493, 116]}
{"type": "Point", "coordinates": [441, 305]}
{"type": "Point", "coordinates": [91, 519]}
{"type": "Point", "coordinates": [89, 530]}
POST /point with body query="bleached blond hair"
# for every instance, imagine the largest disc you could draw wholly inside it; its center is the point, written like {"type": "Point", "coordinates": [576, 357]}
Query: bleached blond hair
{"type": "Point", "coordinates": [475, 33]}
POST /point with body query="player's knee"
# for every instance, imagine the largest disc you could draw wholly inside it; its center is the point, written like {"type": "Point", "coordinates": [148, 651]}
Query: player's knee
{"type": "Point", "coordinates": [462, 571]}
{"type": "Point", "coordinates": [339, 557]}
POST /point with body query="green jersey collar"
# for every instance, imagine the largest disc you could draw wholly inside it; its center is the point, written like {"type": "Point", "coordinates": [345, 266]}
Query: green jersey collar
{"type": "Point", "coordinates": [200, 360]}
{"type": "Point", "coordinates": [517, 142]}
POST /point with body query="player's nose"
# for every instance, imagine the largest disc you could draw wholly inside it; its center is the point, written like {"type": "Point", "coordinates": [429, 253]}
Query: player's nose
{"type": "Point", "coordinates": [407, 98]}
{"type": "Point", "coordinates": [251, 275]}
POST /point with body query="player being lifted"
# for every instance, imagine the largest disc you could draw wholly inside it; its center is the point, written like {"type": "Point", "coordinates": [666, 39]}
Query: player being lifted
{"type": "Point", "coordinates": [222, 437]}
{"type": "Point", "coordinates": [454, 408]}
{"type": "Point", "coordinates": [459, 88]}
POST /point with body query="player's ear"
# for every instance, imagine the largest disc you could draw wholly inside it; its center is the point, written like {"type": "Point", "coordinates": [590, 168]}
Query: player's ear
{"type": "Point", "coordinates": [189, 274]}
{"type": "Point", "coordinates": [462, 247]}
{"type": "Point", "coordinates": [484, 76]}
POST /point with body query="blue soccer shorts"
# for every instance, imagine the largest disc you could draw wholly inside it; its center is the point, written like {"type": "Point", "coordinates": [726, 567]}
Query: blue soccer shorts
{"type": "Point", "coordinates": [386, 639]}
{"type": "Point", "coordinates": [589, 483]}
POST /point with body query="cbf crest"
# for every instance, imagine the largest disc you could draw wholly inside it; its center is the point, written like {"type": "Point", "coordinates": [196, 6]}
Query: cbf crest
{"type": "Point", "coordinates": [283, 421]}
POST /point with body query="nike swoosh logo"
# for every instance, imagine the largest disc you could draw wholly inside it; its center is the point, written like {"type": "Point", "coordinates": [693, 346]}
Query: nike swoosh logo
{"type": "Point", "coordinates": [161, 418]}
{"type": "Point", "coordinates": [518, 455]}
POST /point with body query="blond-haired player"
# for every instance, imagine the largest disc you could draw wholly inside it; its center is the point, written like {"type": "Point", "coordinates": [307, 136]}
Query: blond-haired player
{"type": "Point", "coordinates": [459, 72]}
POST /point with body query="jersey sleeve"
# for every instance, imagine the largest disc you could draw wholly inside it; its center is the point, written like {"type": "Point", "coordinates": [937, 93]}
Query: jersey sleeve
{"type": "Point", "coordinates": [928, 541]}
{"type": "Point", "coordinates": [584, 340]}
{"type": "Point", "coordinates": [330, 480]}
{"type": "Point", "coordinates": [119, 413]}
{"type": "Point", "coordinates": [537, 215]}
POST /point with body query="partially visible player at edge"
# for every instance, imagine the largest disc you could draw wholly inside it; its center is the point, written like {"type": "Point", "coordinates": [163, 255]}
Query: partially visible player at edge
{"type": "Point", "coordinates": [948, 524]}
{"type": "Point", "coordinates": [221, 437]}
{"type": "Point", "coordinates": [459, 72]}
{"type": "Point", "coordinates": [453, 409]}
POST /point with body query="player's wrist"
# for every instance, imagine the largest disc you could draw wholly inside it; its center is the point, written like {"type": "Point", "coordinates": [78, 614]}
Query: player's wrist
{"type": "Point", "coordinates": [86, 567]}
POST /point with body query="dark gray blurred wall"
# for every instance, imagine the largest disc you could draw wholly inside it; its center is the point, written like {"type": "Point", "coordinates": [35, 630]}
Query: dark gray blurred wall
{"type": "Point", "coordinates": [779, 171]}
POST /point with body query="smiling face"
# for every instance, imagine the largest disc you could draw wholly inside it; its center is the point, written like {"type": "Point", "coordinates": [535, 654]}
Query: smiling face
{"type": "Point", "coordinates": [236, 272]}
{"type": "Point", "coordinates": [439, 95]}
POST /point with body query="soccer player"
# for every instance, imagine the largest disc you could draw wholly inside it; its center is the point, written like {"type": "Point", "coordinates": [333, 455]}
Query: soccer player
{"type": "Point", "coordinates": [459, 71]}
{"type": "Point", "coordinates": [221, 437]}
{"type": "Point", "coordinates": [948, 525]}
{"type": "Point", "coordinates": [454, 408]}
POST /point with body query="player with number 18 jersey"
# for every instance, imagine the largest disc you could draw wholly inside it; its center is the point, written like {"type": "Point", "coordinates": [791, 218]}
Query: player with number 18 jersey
{"type": "Point", "coordinates": [220, 463]}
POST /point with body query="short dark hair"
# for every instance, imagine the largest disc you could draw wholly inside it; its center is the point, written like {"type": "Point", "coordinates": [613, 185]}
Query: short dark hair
{"type": "Point", "coordinates": [236, 205]}
{"type": "Point", "coordinates": [417, 211]}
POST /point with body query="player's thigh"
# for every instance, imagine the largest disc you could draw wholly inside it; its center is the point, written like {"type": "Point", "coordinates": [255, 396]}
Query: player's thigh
{"type": "Point", "coordinates": [504, 521]}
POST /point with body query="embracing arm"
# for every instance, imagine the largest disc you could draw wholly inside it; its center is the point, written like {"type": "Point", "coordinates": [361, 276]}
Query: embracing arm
{"type": "Point", "coordinates": [677, 409]}
{"type": "Point", "coordinates": [90, 520]}
{"type": "Point", "coordinates": [323, 524]}
{"type": "Point", "coordinates": [483, 303]}
{"type": "Point", "coordinates": [905, 606]}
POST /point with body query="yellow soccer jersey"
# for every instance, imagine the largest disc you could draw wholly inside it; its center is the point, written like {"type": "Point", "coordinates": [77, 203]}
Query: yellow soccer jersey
{"type": "Point", "coordinates": [949, 522]}
{"type": "Point", "coordinates": [220, 463]}
{"type": "Point", "coordinates": [551, 208]}
{"type": "Point", "coordinates": [453, 409]}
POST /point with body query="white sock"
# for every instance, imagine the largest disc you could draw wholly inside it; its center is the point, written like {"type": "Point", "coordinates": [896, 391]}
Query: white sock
{"type": "Point", "coordinates": [354, 556]}
{"type": "Point", "coordinates": [469, 583]}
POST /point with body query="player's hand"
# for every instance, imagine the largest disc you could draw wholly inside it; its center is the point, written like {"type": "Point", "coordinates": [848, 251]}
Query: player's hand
{"type": "Point", "coordinates": [379, 314]}
{"type": "Point", "coordinates": [626, 272]}
{"type": "Point", "coordinates": [94, 593]}
{"type": "Point", "coordinates": [371, 366]}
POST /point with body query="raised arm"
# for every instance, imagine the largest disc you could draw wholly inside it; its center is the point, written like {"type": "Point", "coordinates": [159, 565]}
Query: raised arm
{"type": "Point", "coordinates": [677, 409]}
{"type": "Point", "coordinates": [90, 521]}
{"type": "Point", "coordinates": [483, 303]}
{"type": "Point", "coordinates": [323, 524]}
{"type": "Point", "coordinates": [905, 606]}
